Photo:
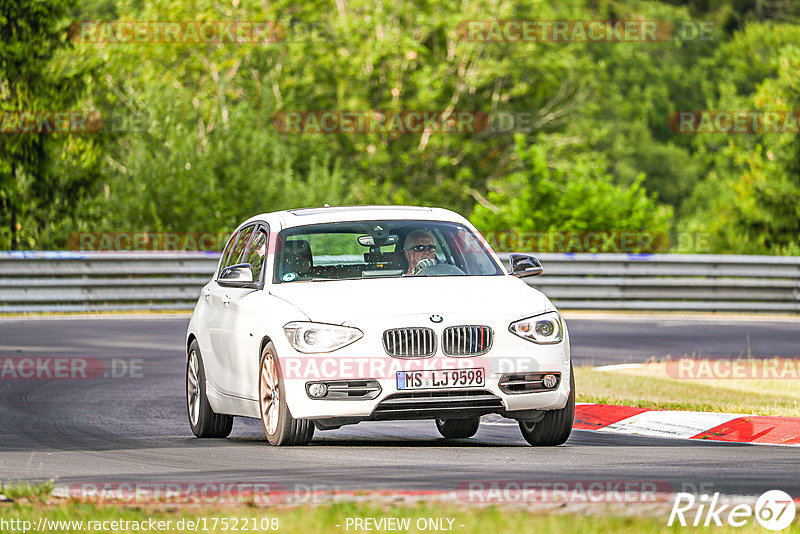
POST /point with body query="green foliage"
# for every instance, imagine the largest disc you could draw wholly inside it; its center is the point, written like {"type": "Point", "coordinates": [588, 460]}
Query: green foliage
{"type": "Point", "coordinates": [32, 493]}
{"type": "Point", "coordinates": [539, 198]}
{"type": "Point", "coordinates": [751, 199]}
{"type": "Point", "coordinates": [184, 181]}
{"type": "Point", "coordinates": [193, 146]}
{"type": "Point", "coordinates": [42, 176]}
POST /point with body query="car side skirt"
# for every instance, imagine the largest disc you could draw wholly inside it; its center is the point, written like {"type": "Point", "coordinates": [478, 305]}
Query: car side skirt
{"type": "Point", "coordinates": [228, 404]}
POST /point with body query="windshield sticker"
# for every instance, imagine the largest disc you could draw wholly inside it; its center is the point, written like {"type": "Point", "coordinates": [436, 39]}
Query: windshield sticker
{"type": "Point", "coordinates": [288, 277]}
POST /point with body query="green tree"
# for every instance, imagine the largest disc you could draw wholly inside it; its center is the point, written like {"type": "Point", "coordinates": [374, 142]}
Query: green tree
{"type": "Point", "coordinates": [362, 56]}
{"type": "Point", "coordinates": [197, 149]}
{"type": "Point", "coordinates": [540, 198]}
{"type": "Point", "coordinates": [751, 202]}
{"type": "Point", "coordinates": [42, 176]}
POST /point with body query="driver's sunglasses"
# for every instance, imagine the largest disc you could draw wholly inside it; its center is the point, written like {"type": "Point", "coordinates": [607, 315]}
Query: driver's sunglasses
{"type": "Point", "coordinates": [424, 248]}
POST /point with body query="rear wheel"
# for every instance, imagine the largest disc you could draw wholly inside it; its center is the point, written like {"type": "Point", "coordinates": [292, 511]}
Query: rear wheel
{"type": "Point", "coordinates": [458, 428]}
{"type": "Point", "coordinates": [556, 426]}
{"type": "Point", "coordinates": [279, 425]}
{"type": "Point", "coordinates": [204, 421]}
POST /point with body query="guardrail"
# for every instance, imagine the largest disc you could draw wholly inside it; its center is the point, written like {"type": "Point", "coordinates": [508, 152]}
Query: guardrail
{"type": "Point", "coordinates": [77, 281]}
{"type": "Point", "coordinates": [99, 281]}
{"type": "Point", "coordinates": [679, 282]}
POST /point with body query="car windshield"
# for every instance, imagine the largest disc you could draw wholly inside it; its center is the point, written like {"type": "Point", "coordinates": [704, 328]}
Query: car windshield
{"type": "Point", "coordinates": [380, 249]}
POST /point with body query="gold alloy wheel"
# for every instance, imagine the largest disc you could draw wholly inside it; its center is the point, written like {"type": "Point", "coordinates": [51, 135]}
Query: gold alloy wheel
{"type": "Point", "coordinates": [270, 394]}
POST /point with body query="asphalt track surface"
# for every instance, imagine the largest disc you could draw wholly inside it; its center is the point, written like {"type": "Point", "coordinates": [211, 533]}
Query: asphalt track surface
{"type": "Point", "coordinates": [134, 428]}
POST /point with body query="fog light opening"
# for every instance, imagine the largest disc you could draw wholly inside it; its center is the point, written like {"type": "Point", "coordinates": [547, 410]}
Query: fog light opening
{"type": "Point", "coordinates": [317, 390]}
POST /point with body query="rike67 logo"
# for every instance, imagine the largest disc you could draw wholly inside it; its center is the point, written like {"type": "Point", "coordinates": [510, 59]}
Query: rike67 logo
{"type": "Point", "coordinates": [774, 510]}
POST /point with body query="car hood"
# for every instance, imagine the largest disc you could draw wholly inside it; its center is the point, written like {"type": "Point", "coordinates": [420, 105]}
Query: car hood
{"type": "Point", "coordinates": [337, 302]}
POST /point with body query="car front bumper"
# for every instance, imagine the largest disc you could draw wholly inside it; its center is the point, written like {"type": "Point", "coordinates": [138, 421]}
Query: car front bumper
{"type": "Point", "coordinates": [368, 361]}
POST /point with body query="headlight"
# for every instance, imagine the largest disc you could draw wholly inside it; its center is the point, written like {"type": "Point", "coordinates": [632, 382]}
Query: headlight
{"type": "Point", "coordinates": [546, 328]}
{"type": "Point", "coordinates": [318, 337]}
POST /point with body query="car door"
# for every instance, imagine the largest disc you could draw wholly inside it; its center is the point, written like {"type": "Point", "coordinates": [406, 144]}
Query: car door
{"type": "Point", "coordinates": [211, 342]}
{"type": "Point", "coordinates": [239, 320]}
{"type": "Point", "coordinates": [218, 298]}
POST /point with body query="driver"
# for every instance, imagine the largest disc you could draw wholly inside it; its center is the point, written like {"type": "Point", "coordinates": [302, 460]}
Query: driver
{"type": "Point", "coordinates": [419, 245]}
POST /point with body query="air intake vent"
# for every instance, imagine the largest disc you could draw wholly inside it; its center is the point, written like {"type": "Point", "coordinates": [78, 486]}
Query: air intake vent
{"type": "Point", "coordinates": [470, 340]}
{"type": "Point", "coordinates": [433, 404]}
{"type": "Point", "coordinates": [410, 342]}
{"type": "Point", "coordinates": [346, 390]}
{"type": "Point", "coordinates": [528, 382]}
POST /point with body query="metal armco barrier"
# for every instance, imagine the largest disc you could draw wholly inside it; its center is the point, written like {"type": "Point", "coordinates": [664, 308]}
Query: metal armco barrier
{"type": "Point", "coordinates": [674, 282]}
{"type": "Point", "coordinates": [76, 281]}
{"type": "Point", "coordinates": [98, 281]}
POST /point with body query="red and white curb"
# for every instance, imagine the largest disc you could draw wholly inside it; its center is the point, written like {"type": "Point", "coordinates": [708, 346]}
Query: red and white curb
{"type": "Point", "coordinates": [737, 428]}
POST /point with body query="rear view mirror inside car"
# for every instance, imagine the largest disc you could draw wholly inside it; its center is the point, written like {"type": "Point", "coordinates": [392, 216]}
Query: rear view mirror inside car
{"type": "Point", "coordinates": [369, 241]}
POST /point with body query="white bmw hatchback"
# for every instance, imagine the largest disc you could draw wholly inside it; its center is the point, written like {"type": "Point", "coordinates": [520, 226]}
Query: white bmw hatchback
{"type": "Point", "coordinates": [318, 318]}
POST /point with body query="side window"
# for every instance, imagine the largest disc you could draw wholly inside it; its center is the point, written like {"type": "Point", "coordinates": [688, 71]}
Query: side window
{"type": "Point", "coordinates": [238, 249]}
{"type": "Point", "coordinates": [256, 253]}
{"type": "Point", "coordinates": [226, 252]}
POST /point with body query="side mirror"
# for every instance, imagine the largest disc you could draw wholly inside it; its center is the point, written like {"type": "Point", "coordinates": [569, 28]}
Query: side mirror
{"type": "Point", "coordinates": [241, 273]}
{"type": "Point", "coordinates": [524, 265]}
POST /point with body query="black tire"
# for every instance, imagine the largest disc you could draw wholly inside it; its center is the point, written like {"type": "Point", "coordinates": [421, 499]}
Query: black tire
{"type": "Point", "coordinates": [287, 430]}
{"type": "Point", "coordinates": [207, 423]}
{"type": "Point", "coordinates": [556, 426]}
{"type": "Point", "coordinates": [458, 428]}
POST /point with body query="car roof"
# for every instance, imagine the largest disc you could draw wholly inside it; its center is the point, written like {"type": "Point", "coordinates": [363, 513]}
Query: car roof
{"type": "Point", "coordinates": [305, 216]}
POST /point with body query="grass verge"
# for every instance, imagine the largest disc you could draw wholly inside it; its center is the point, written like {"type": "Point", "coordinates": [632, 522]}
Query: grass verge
{"type": "Point", "coordinates": [689, 385]}
{"type": "Point", "coordinates": [333, 518]}
{"type": "Point", "coordinates": [27, 492]}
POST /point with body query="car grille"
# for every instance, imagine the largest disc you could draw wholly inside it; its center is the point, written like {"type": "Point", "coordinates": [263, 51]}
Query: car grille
{"type": "Point", "coordinates": [431, 404]}
{"type": "Point", "coordinates": [410, 342]}
{"type": "Point", "coordinates": [469, 340]}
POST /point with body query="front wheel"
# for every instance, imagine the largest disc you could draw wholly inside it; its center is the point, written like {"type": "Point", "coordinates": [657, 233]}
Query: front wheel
{"type": "Point", "coordinates": [556, 426]}
{"type": "Point", "coordinates": [458, 428]}
{"type": "Point", "coordinates": [279, 425]}
{"type": "Point", "coordinates": [205, 423]}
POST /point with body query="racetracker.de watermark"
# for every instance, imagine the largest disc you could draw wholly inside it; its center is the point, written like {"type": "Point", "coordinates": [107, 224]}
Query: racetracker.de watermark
{"type": "Point", "coordinates": [734, 122]}
{"type": "Point", "coordinates": [563, 491]}
{"type": "Point", "coordinates": [69, 368]}
{"type": "Point", "coordinates": [400, 122]}
{"type": "Point", "coordinates": [257, 493]}
{"type": "Point", "coordinates": [203, 492]}
{"type": "Point", "coordinates": [71, 122]}
{"type": "Point", "coordinates": [592, 31]}
{"type": "Point", "coordinates": [725, 368]}
{"type": "Point", "coordinates": [176, 32]}
{"type": "Point", "coordinates": [321, 367]}
{"type": "Point", "coordinates": [147, 241]}
{"type": "Point", "coordinates": [50, 122]}
{"type": "Point", "coordinates": [629, 241]}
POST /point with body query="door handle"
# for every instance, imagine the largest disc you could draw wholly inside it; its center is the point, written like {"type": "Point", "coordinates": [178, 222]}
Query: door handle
{"type": "Point", "coordinates": [226, 299]}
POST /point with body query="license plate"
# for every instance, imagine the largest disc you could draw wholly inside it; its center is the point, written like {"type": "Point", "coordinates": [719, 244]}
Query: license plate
{"type": "Point", "coordinates": [444, 378]}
